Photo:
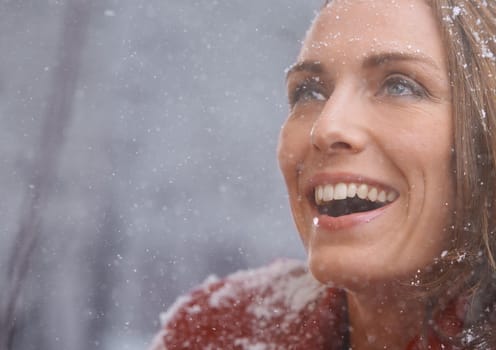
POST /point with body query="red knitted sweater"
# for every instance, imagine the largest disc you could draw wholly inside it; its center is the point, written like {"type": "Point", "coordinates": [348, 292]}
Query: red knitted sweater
{"type": "Point", "coordinates": [276, 307]}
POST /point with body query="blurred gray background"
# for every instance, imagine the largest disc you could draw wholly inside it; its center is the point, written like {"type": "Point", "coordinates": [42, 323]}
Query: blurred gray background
{"type": "Point", "coordinates": [160, 169]}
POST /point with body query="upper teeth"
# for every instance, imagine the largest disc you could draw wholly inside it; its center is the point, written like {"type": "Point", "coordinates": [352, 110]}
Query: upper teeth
{"type": "Point", "coordinates": [327, 193]}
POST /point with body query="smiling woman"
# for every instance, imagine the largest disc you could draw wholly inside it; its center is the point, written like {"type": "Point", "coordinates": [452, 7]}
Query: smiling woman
{"type": "Point", "coordinates": [389, 158]}
{"type": "Point", "coordinates": [379, 120]}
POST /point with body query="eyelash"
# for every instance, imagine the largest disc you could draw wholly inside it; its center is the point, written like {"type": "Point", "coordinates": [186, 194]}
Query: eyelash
{"type": "Point", "coordinates": [307, 91]}
{"type": "Point", "coordinates": [311, 90]}
{"type": "Point", "coordinates": [416, 90]}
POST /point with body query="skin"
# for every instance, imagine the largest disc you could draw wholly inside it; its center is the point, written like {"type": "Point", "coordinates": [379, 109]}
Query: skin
{"type": "Point", "coordinates": [370, 98]}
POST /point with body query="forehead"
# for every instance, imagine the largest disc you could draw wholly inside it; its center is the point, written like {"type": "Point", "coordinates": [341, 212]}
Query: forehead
{"type": "Point", "coordinates": [359, 27]}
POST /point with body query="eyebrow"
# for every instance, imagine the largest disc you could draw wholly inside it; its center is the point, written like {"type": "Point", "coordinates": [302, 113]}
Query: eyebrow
{"type": "Point", "coordinates": [385, 57]}
{"type": "Point", "coordinates": [314, 67]}
{"type": "Point", "coordinates": [374, 60]}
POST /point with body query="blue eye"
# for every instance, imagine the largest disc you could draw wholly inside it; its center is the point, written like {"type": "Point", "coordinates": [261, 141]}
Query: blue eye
{"type": "Point", "coordinates": [400, 86]}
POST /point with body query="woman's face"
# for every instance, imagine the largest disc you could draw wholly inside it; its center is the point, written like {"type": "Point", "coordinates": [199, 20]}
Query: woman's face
{"type": "Point", "coordinates": [366, 149]}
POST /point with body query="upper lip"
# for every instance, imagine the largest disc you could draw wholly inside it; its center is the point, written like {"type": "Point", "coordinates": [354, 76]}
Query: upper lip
{"type": "Point", "coordinates": [335, 178]}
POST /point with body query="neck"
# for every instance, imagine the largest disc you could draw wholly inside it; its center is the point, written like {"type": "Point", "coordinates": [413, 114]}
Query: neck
{"type": "Point", "coordinates": [384, 317]}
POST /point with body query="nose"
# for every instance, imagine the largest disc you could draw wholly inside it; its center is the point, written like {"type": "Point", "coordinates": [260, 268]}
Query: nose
{"type": "Point", "coordinates": [340, 127]}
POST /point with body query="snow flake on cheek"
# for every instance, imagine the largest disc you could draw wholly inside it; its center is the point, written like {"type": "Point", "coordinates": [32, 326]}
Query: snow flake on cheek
{"type": "Point", "coordinates": [316, 222]}
{"type": "Point", "coordinates": [299, 168]}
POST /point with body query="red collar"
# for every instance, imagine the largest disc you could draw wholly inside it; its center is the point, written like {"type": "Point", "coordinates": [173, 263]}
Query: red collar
{"type": "Point", "coordinates": [280, 307]}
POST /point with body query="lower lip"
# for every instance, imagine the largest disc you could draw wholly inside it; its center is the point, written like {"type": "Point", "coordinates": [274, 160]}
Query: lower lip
{"type": "Point", "coordinates": [330, 223]}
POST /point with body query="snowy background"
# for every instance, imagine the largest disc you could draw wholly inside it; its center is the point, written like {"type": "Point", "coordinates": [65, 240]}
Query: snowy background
{"type": "Point", "coordinates": [166, 171]}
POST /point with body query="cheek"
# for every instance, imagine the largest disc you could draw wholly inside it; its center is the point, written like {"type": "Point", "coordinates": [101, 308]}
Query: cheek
{"type": "Point", "coordinates": [293, 145]}
{"type": "Point", "coordinates": [288, 151]}
{"type": "Point", "coordinates": [292, 150]}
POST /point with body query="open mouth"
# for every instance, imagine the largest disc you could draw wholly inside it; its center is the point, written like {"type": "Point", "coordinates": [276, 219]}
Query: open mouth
{"type": "Point", "coordinates": [345, 199]}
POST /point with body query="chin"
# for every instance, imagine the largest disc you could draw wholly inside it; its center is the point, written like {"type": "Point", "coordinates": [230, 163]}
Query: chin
{"type": "Point", "coordinates": [357, 274]}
